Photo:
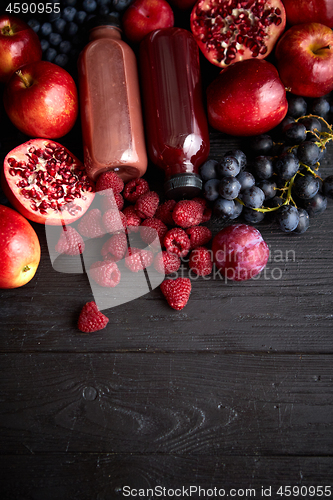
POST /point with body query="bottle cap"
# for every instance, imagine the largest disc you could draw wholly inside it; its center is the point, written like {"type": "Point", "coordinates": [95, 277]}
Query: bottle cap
{"type": "Point", "coordinates": [183, 186]}
{"type": "Point", "coordinates": [104, 20]}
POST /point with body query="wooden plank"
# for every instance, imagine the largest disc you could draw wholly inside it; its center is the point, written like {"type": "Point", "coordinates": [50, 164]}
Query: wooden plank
{"type": "Point", "coordinates": [105, 476]}
{"type": "Point", "coordinates": [167, 403]}
{"type": "Point", "coordinates": [289, 314]}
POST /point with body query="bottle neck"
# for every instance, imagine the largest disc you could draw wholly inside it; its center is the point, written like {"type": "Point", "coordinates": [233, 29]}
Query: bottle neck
{"type": "Point", "coordinates": [105, 32]}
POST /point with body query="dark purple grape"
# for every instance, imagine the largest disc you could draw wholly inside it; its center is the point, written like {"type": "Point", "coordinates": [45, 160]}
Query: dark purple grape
{"type": "Point", "coordinates": [237, 211]}
{"type": "Point", "coordinates": [286, 121]}
{"type": "Point", "coordinates": [208, 170]}
{"type": "Point", "coordinates": [320, 106]}
{"type": "Point", "coordinates": [297, 105]}
{"type": "Point", "coordinates": [308, 152]}
{"type": "Point", "coordinates": [252, 216]}
{"type": "Point", "coordinates": [263, 167]}
{"type": "Point", "coordinates": [295, 133]}
{"type": "Point", "coordinates": [262, 144]}
{"type": "Point", "coordinates": [245, 179]}
{"type": "Point", "coordinates": [316, 205]}
{"type": "Point", "coordinates": [240, 157]}
{"type": "Point", "coordinates": [286, 166]}
{"type": "Point", "coordinates": [288, 218]}
{"type": "Point", "coordinates": [253, 197]}
{"type": "Point", "coordinates": [269, 188]}
{"type": "Point", "coordinates": [224, 208]}
{"type": "Point", "coordinates": [229, 188]}
{"type": "Point", "coordinates": [328, 186]}
{"type": "Point", "coordinates": [312, 125]}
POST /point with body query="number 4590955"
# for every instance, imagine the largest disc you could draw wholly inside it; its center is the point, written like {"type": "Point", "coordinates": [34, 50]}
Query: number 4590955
{"type": "Point", "coordinates": [33, 8]}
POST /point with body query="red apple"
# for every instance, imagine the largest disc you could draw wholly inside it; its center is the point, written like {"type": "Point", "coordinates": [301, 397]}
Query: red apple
{"type": "Point", "coordinates": [304, 56]}
{"type": "Point", "coordinates": [247, 98]}
{"type": "Point", "coordinates": [19, 249]}
{"type": "Point", "coordinates": [19, 45]}
{"type": "Point", "coordinates": [144, 16]}
{"type": "Point", "coordinates": [41, 100]}
{"type": "Point", "coordinates": [240, 252]}
{"type": "Point", "coordinates": [309, 11]}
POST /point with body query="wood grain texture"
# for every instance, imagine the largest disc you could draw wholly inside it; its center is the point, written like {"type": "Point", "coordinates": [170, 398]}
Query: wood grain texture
{"type": "Point", "coordinates": [199, 404]}
{"type": "Point", "coordinates": [103, 476]}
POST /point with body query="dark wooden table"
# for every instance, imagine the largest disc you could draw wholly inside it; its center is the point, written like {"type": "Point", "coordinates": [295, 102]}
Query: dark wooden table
{"type": "Point", "coordinates": [234, 392]}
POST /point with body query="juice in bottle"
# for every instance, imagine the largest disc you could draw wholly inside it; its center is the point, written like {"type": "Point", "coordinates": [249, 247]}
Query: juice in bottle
{"type": "Point", "coordinates": [175, 120]}
{"type": "Point", "coordinates": [110, 105]}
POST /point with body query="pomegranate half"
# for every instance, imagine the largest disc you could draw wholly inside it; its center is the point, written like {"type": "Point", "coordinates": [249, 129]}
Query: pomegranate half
{"type": "Point", "coordinates": [228, 31]}
{"type": "Point", "coordinates": [46, 183]}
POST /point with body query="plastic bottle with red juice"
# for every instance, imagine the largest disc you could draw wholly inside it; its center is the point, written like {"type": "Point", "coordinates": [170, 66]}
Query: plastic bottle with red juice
{"type": "Point", "coordinates": [175, 120]}
{"type": "Point", "coordinates": [110, 103]}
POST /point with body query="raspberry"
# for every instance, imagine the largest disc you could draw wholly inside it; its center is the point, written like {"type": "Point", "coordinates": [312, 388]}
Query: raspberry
{"type": "Point", "coordinates": [199, 235]}
{"type": "Point", "coordinates": [166, 262]}
{"type": "Point", "coordinates": [164, 212]}
{"type": "Point", "coordinates": [116, 202]}
{"type": "Point", "coordinates": [177, 292]}
{"type": "Point", "coordinates": [200, 261]}
{"type": "Point", "coordinates": [91, 225]}
{"type": "Point", "coordinates": [134, 189]}
{"type": "Point", "coordinates": [114, 221]}
{"type": "Point", "coordinates": [176, 241]}
{"type": "Point", "coordinates": [151, 228]}
{"type": "Point", "coordinates": [91, 319]}
{"type": "Point", "coordinates": [137, 259]}
{"type": "Point", "coordinates": [132, 218]}
{"type": "Point", "coordinates": [187, 213]}
{"type": "Point", "coordinates": [207, 213]}
{"type": "Point", "coordinates": [147, 204]}
{"type": "Point", "coordinates": [116, 246]}
{"type": "Point", "coordinates": [105, 273]}
{"type": "Point", "coordinates": [70, 242]}
{"type": "Point", "coordinates": [109, 180]}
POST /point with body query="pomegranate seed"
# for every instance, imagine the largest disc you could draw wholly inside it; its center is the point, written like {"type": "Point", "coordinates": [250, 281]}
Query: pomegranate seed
{"type": "Point", "coordinates": [33, 206]}
{"type": "Point", "coordinates": [12, 162]}
{"type": "Point", "coordinates": [12, 171]}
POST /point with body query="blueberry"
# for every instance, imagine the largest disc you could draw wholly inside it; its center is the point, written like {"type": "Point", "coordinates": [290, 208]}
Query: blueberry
{"type": "Point", "coordinates": [50, 54]}
{"type": "Point", "coordinates": [304, 221]}
{"type": "Point", "coordinates": [89, 5]}
{"type": "Point", "coordinates": [34, 24]}
{"type": "Point", "coordinates": [65, 47]}
{"type": "Point", "coordinates": [61, 60]}
{"type": "Point", "coordinates": [55, 39]}
{"type": "Point", "coordinates": [71, 29]}
{"type": "Point", "coordinates": [288, 218]}
{"type": "Point", "coordinates": [297, 105]}
{"type": "Point", "coordinates": [103, 10]}
{"type": "Point", "coordinates": [69, 3]}
{"type": "Point", "coordinates": [68, 14]}
{"type": "Point", "coordinates": [45, 29]}
{"type": "Point", "coordinates": [121, 5]}
{"type": "Point", "coordinates": [208, 170]}
{"type": "Point", "coordinates": [80, 17]}
{"type": "Point", "coordinates": [44, 44]}
{"type": "Point", "coordinates": [59, 25]}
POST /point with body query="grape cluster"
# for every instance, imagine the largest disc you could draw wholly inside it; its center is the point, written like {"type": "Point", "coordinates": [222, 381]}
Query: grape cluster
{"type": "Point", "coordinates": [282, 179]}
{"type": "Point", "coordinates": [63, 35]}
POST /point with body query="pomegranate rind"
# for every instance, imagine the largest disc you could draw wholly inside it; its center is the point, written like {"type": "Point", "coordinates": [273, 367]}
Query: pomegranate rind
{"type": "Point", "coordinates": [238, 30]}
{"type": "Point", "coordinates": [70, 211]}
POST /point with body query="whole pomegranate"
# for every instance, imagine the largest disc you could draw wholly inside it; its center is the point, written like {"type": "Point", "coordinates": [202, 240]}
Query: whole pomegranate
{"type": "Point", "coordinates": [247, 98]}
{"type": "Point", "coordinates": [229, 30]}
{"type": "Point", "coordinates": [46, 183]}
{"type": "Point", "coordinates": [19, 249]}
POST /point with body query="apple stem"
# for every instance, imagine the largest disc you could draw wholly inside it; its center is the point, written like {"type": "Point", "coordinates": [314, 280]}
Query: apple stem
{"type": "Point", "coordinates": [25, 269]}
{"type": "Point", "coordinates": [26, 81]}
